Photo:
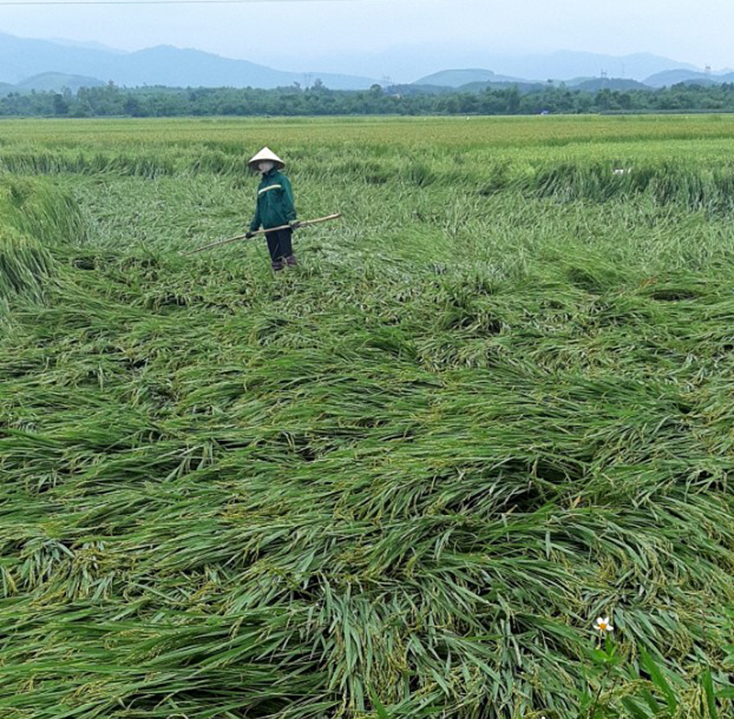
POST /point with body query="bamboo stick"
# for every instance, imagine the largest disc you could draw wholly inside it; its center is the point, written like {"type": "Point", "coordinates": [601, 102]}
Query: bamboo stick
{"type": "Point", "coordinates": [305, 223]}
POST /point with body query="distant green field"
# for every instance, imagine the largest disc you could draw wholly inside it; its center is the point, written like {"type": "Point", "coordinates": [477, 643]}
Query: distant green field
{"type": "Point", "coordinates": [492, 404]}
{"type": "Point", "coordinates": [483, 131]}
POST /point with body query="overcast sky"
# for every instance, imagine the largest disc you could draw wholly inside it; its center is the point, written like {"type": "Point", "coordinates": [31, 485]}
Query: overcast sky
{"type": "Point", "coordinates": [360, 36]}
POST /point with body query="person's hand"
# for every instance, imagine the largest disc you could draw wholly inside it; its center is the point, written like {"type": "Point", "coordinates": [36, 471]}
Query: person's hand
{"type": "Point", "coordinates": [295, 224]}
{"type": "Point", "coordinates": [249, 235]}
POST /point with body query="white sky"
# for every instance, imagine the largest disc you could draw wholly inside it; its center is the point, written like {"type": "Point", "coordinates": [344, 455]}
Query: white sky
{"type": "Point", "coordinates": [352, 35]}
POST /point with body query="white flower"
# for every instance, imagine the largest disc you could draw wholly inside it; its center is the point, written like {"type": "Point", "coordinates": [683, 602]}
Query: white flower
{"type": "Point", "coordinates": [603, 625]}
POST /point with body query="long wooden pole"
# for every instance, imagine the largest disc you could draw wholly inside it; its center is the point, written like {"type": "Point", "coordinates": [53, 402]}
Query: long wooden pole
{"type": "Point", "coordinates": [305, 223]}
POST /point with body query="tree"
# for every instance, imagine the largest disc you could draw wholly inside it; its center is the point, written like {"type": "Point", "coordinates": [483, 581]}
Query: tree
{"type": "Point", "coordinates": [60, 105]}
{"type": "Point", "coordinates": [513, 99]}
{"type": "Point", "coordinates": [133, 107]}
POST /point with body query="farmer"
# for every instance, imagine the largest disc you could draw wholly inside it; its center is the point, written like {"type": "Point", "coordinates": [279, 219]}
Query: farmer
{"type": "Point", "coordinates": [274, 208]}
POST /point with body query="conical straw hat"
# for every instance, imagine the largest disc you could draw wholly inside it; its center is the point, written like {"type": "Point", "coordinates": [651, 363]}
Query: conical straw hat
{"type": "Point", "coordinates": [266, 154]}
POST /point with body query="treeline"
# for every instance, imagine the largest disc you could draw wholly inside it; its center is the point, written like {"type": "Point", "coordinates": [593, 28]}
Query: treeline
{"type": "Point", "coordinates": [111, 100]}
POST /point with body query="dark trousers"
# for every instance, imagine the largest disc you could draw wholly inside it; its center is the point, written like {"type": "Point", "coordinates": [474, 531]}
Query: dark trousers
{"type": "Point", "coordinates": [279, 244]}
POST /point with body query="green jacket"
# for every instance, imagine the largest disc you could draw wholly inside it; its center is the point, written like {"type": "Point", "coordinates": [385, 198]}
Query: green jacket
{"type": "Point", "coordinates": [275, 204]}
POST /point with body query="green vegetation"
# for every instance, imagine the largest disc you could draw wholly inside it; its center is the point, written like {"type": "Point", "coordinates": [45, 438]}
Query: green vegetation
{"type": "Point", "coordinates": [401, 480]}
{"type": "Point", "coordinates": [474, 99]}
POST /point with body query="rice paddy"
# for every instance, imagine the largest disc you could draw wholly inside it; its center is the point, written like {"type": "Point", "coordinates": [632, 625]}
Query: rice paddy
{"type": "Point", "coordinates": [492, 404]}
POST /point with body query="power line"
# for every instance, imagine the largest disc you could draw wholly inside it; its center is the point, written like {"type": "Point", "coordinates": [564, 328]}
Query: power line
{"type": "Point", "coordinates": [146, 2]}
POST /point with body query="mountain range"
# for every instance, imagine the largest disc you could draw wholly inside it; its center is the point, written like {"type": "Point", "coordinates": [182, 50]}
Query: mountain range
{"type": "Point", "coordinates": [673, 77]}
{"type": "Point", "coordinates": [28, 64]}
{"type": "Point", "coordinates": [22, 58]}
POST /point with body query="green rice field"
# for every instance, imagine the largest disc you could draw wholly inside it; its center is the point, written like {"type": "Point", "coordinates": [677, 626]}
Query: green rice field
{"type": "Point", "coordinates": [494, 402]}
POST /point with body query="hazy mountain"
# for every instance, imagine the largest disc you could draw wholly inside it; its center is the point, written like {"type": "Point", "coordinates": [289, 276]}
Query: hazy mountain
{"type": "Point", "coordinates": [21, 58]}
{"type": "Point", "coordinates": [673, 77]}
{"type": "Point", "coordinates": [586, 84]}
{"type": "Point", "coordinates": [561, 65]}
{"type": "Point", "coordinates": [170, 66]}
{"type": "Point", "coordinates": [407, 62]}
{"type": "Point", "coordinates": [56, 82]}
{"type": "Point", "coordinates": [565, 64]}
{"type": "Point", "coordinates": [572, 67]}
{"type": "Point", "coordinates": [166, 65]}
{"type": "Point", "coordinates": [594, 84]}
{"type": "Point", "coordinates": [87, 45]}
{"type": "Point", "coordinates": [478, 80]}
{"type": "Point", "coordinates": [458, 78]}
